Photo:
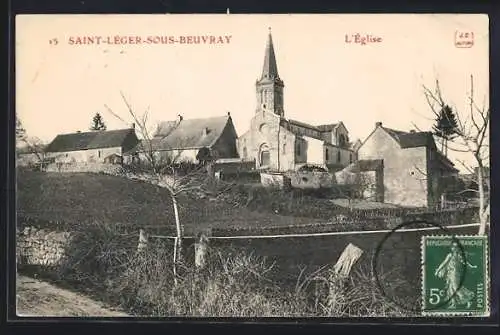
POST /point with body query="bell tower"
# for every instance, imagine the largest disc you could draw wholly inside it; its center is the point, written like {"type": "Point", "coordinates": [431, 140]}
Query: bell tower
{"type": "Point", "coordinates": [269, 87]}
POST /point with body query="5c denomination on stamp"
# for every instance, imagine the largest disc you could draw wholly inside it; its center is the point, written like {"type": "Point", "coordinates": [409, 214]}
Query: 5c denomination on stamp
{"type": "Point", "coordinates": [455, 275]}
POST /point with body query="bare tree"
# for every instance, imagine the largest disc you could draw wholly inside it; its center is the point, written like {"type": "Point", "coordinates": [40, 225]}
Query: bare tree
{"type": "Point", "coordinates": [472, 132]}
{"type": "Point", "coordinates": [162, 168]}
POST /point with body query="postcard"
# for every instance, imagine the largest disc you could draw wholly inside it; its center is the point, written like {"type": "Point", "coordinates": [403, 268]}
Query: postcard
{"type": "Point", "coordinates": [319, 165]}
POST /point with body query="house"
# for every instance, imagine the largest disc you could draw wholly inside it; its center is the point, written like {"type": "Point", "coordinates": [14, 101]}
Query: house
{"type": "Point", "coordinates": [192, 140]}
{"type": "Point", "coordinates": [415, 173]}
{"type": "Point", "coordinates": [279, 144]}
{"type": "Point", "coordinates": [91, 147]}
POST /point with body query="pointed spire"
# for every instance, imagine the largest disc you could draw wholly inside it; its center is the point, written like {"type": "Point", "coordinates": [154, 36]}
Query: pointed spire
{"type": "Point", "coordinates": [270, 69]}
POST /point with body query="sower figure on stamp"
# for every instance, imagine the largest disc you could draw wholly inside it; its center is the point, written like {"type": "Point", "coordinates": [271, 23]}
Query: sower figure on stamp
{"type": "Point", "coordinates": [452, 271]}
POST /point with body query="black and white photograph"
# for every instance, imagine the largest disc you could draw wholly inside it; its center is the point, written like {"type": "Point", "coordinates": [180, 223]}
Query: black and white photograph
{"type": "Point", "coordinates": [250, 165]}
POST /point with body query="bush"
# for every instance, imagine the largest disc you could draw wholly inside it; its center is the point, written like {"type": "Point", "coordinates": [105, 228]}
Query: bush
{"type": "Point", "coordinates": [102, 261]}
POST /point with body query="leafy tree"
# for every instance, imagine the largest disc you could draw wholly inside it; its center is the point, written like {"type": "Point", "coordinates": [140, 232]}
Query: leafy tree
{"type": "Point", "coordinates": [446, 126]}
{"type": "Point", "coordinates": [98, 123]}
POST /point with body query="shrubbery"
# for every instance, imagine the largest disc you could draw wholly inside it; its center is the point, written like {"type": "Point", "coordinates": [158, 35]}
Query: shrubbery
{"type": "Point", "coordinates": [103, 262]}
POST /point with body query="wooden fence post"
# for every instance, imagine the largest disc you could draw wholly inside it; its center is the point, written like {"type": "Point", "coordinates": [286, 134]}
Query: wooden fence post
{"type": "Point", "coordinates": [340, 272]}
{"type": "Point", "coordinates": [201, 248]}
{"type": "Point", "coordinates": [143, 240]}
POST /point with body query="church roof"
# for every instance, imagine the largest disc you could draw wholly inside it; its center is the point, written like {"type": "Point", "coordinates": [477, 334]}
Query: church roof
{"type": "Point", "coordinates": [190, 133]}
{"type": "Point", "coordinates": [270, 68]}
{"type": "Point", "coordinates": [89, 140]}
{"type": "Point", "coordinates": [327, 127]}
{"type": "Point", "coordinates": [302, 124]}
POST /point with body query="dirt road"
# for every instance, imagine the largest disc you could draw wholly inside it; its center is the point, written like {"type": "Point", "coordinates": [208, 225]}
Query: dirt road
{"type": "Point", "coordinates": [38, 298]}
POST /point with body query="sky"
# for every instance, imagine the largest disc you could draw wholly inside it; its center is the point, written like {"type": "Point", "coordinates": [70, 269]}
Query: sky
{"type": "Point", "coordinates": [328, 77]}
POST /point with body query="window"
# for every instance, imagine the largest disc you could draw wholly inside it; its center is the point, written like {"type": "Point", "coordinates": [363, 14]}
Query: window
{"type": "Point", "coordinates": [245, 152]}
{"type": "Point", "coordinates": [264, 155]}
{"type": "Point", "coordinates": [338, 157]}
{"type": "Point", "coordinates": [99, 153]}
{"type": "Point", "coordinates": [264, 158]}
{"type": "Point", "coordinates": [263, 128]}
{"type": "Point", "coordinates": [298, 148]}
{"type": "Point", "coordinates": [284, 147]}
{"type": "Point", "coordinates": [350, 157]}
{"type": "Point", "coordinates": [326, 155]}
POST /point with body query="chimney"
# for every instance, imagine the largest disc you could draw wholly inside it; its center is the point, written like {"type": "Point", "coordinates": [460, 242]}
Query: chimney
{"type": "Point", "coordinates": [78, 131]}
{"type": "Point", "coordinates": [133, 125]}
{"type": "Point", "coordinates": [378, 124]}
{"type": "Point", "coordinates": [205, 131]}
{"type": "Point", "coordinates": [179, 118]}
{"type": "Point", "coordinates": [228, 113]}
{"type": "Point", "coordinates": [412, 131]}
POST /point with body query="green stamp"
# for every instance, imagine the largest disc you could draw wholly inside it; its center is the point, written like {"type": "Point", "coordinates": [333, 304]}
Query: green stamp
{"type": "Point", "coordinates": [455, 276]}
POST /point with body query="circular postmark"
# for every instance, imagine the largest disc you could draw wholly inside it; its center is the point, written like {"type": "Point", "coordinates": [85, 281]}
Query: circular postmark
{"type": "Point", "coordinates": [412, 307]}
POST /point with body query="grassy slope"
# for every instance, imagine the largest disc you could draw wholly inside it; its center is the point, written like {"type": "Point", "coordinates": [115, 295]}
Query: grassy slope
{"type": "Point", "coordinates": [78, 197]}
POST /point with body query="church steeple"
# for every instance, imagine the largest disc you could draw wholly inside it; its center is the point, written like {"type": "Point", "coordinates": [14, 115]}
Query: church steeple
{"type": "Point", "coordinates": [270, 69]}
{"type": "Point", "coordinates": [270, 86]}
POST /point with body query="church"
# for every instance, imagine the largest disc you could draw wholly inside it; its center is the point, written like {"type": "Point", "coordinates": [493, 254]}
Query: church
{"type": "Point", "coordinates": [279, 144]}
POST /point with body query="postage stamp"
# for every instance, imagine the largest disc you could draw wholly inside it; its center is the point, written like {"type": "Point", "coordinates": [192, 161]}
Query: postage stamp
{"type": "Point", "coordinates": [455, 278]}
{"type": "Point", "coordinates": [252, 165]}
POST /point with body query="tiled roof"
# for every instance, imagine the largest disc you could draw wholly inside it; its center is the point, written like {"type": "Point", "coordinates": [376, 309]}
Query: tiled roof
{"type": "Point", "coordinates": [327, 127]}
{"type": "Point", "coordinates": [190, 133]}
{"type": "Point", "coordinates": [89, 140]}
{"type": "Point", "coordinates": [320, 128]}
{"type": "Point", "coordinates": [303, 124]}
{"type": "Point", "coordinates": [411, 139]}
{"type": "Point", "coordinates": [442, 159]}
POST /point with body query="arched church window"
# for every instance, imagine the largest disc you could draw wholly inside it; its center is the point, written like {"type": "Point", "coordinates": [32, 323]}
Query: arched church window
{"type": "Point", "coordinates": [263, 128]}
{"type": "Point", "coordinates": [264, 155]}
{"type": "Point", "coordinates": [326, 155]}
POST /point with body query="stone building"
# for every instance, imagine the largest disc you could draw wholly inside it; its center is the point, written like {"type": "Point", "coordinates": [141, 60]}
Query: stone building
{"type": "Point", "coordinates": [91, 147]}
{"type": "Point", "coordinates": [192, 140]}
{"type": "Point", "coordinates": [415, 173]}
{"type": "Point", "coordinates": [276, 143]}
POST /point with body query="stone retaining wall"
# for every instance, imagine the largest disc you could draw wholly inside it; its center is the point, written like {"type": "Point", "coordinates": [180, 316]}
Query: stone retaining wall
{"type": "Point", "coordinates": [38, 246]}
{"type": "Point", "coordinates": [112, 169]}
